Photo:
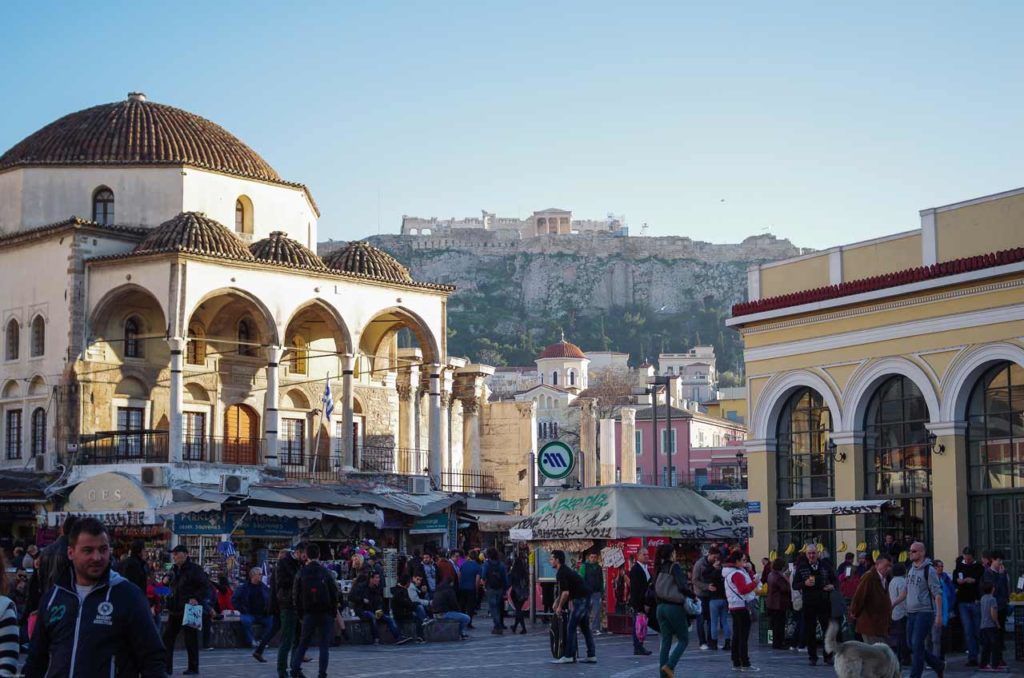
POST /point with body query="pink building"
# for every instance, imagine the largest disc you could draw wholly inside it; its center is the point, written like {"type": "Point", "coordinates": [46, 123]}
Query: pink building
{"type": "Point", "coordinates": [703, 449]}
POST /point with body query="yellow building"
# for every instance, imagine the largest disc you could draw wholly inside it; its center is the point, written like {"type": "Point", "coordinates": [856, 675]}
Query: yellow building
{"type": "Point", "coordinates": [892, 370]}
{"type": "Point", "coordinates": [730, 404]}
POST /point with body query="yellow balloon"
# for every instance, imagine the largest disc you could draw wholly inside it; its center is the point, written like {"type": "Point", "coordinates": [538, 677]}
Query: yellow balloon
{"type": "Point", "coordinates": [842, 546]}
{"type": "Point", "coordinates": [821, 548]}
{"type": "Point", "coordinates": [863, 546]}
{"type": "Point", "coordinates": [790, 549]}
{"type": "Point", "coordinates": [773, 554]}
{"type": "Point", "coordinates": [903, 556]}
{"type": "Point", "coordinates": [875, 554]}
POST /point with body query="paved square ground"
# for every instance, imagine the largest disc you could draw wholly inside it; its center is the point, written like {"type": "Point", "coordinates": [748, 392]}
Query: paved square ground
{"type": "Point", "coordinates": [526, 656]}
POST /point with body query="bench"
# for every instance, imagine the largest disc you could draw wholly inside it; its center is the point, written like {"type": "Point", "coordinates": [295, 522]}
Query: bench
{"type": "Point", "coordinates": [441, 631]}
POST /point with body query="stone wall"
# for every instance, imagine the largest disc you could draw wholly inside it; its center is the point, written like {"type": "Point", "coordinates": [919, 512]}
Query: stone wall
{"type": "Point", "coordinates": [507, 436]}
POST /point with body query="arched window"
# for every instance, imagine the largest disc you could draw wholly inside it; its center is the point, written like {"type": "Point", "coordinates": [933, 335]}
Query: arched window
{"type": "Point", "coordinates": [554, 378]}
{"type": "Point", "coordinates": [898, 461]}
{"type": "Point", "coordinates": [299, 362]}
{"type": "Point", "coordinates": [243, 215]}
{"type": "Point", "coordinates": [245, 338]}
{"type": "Point", "coordinates": [804, 468]}
{"type": "Point", "coordinates": [995, 461]}
{"type": "Point", "coordinates": [195, 351]}
{"type": "Point", "coordinates": [132, 345]}
{"type": "Point", "coordinates": [38, 343]}
{"type": "Point", "coordinates": [38, 432]}
{"type": "Point", "coordinates": [572, 377]}
{"type": "Point", "coordinates": [13, 339]}
{"type": "Point", "coordinates": [103, 206]}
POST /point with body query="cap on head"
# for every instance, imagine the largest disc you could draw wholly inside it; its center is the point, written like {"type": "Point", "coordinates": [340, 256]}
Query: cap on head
{"type": "Point", "coordinates": [180, 548]}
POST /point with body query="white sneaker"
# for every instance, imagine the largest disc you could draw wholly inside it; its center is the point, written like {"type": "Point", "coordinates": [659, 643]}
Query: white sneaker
{"type": "Point", "coordinates": [704, 647]}
{"type": "Point", "coordinates": [563, 660]}
{"type": "Point", "coordinates": [589, 660]}
{"type": "Point", "coordinates": [597, 633]}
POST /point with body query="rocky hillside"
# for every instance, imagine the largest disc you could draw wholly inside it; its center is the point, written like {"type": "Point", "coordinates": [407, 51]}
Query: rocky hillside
{"type": "Point", "coordinates": [642, 296]}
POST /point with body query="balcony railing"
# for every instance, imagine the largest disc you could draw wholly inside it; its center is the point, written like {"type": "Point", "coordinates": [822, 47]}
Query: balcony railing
{"type": "Point", "coordinates": [400, 460]}
{"type": "Point", "coordinates": [470, 483]}
{"type": "Point", "coordinates": [115, 447]}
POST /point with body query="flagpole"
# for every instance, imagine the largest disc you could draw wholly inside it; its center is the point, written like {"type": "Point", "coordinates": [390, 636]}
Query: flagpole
{"type": "Point", "coordinates": [327, 406]}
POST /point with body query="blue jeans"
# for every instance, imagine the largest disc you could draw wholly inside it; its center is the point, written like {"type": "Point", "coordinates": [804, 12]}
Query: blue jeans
{"type": "Point", "coordinates": [919, 627]}
{"type": "Point", "coordinates": [494, 602]}
{"type": "Point", "coordinates": [372, 618]}
{"type": "Point", "coordinates": [970, 618]}
{"type": "Point", "coordinates": [460, 617]}
{"type": "Point", "coordinates": [720, 616]}
{"type": "Point", "coordinates": [579, 616]}
{"type": "Point", "coordinates": [318, 622]}
{"type": "Point", "coordinates": [267, 621]}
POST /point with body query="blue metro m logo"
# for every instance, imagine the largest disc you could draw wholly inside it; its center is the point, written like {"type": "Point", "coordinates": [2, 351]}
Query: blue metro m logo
{"type": "Point", "coordinates": [555, 460]}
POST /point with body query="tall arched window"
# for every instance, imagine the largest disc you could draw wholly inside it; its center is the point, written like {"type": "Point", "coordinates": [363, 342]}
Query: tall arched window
{"type": "Point", "coordinates": [243, 215]}
{"type": "Point", "coordinates": [572, 377]}
{"type": "Point", "coordinates": [38, 343]}
{"type": "Point", "coordinates": [554, 378]}
{"type": "Point", "coordinates": [195, 352]}
{"type": "Point", "coordinates": [995, 462]}
{"type": "Point", "coordinates": [13, 340]}
{"type": "Point", "coordinates": [38, 432]}
{"type": "Point", "coordinates": [103, 206]}
{"type": "Point", "coordinates": [804, 467]}
{"type": "Point", "coordinates": [245, 338]}
{"type": "Point", "coordinates": [898, 461]}
{"type": "Point", "coordinates": [132, 345]}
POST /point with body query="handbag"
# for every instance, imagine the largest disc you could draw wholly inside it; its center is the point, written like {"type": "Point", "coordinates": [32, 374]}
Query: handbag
{"type": "Point", "coordinates": [665, 588]}
{"type": "Point", "coordinates": [193, 616]}
{"type": "Point", "coordinates": [640, 626]}
{"type": "Point", "coordinates": [693, 607]}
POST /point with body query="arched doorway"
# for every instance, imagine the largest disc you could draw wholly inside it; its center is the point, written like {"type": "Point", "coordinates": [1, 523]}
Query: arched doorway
{"type": "Point", "coordinates": [898, 462]}
{"type": "Point", "coordinates": [241, 435]}
{"type": "Point", "coordinates": [995, 463]}
{"type": "Point", "coordinates": [804, 468]}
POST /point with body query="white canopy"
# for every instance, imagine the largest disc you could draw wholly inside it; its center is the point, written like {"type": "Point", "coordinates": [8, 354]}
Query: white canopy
{"type": "Point", "coordinates": [837, 508]}
{"type": "Point", "coordinates": [626, 510]}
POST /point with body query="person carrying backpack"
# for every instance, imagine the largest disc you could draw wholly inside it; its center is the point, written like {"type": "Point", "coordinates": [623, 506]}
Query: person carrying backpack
{"type": "Point", "coordinates": [495, 576]}
{"type": "Point", "coordinates": [315, 596]}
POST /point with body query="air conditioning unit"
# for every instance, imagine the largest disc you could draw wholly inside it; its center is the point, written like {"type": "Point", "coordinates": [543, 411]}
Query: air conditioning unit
{"type": "Point", "coordinates": [154, 476]}
{"type": "Point", "coordinates": [233, 485]}
{"type": "Point", "coordinates": [419, 485]}
{"type": "Point", "coordinates": [41, 463]}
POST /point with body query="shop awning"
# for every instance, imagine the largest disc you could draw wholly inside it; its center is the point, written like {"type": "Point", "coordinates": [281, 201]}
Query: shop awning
{"type": "Point", "coordinates": [275, 512]}
{"type": "Point", "coordinates": [626, 510]}
{"type": "Point", "coordinates": [357, 515]}
{"type": "Point", "coordinates": [837, 508]}
{"type": "Point", "coordinates": [188, 507]}
{"type": "Point", "coordinates": [497, 523]}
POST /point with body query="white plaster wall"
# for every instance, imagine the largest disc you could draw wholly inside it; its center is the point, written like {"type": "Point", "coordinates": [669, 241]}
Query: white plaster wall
{"type": "Point", "coordinates": [10, 201]}
{"type": "Point", "coordinates": [142, 196]}
{"type": "Point", "coordinates": [275, 207]}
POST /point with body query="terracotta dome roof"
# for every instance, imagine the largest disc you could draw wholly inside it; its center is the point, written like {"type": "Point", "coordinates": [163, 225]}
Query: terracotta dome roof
{"type": "Point", "coordinates": [280, 249]}
{"type": "Point", "coordinates": [365, 259]}
{"type": "Point", "coordinates": [138, 132]}
{"type": "Point", "coordinates": [563, 349]}
{"type": "Point", "coordinates": [196, 233]}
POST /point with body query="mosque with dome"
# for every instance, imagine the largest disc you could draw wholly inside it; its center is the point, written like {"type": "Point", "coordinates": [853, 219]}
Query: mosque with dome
{"type": "Point", "coordinates": [163, 305]}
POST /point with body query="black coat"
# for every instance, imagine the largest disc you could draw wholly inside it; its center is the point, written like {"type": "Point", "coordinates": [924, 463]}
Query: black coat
{"type": "Point", "coordinates": [444, 599]}
{"type": "Point", "coordinates": [135, 570]}
{"type": "Point", "coordinates": [402, 607]}
{"type": "Point", "coordinates": [638, 585]}
{"type": "Point", "coordinates": [364, 598]}
{"type": "Point", "coordinates": [282, 581]}
{"type": "Point", "coordinates": [54, 565]}
{"type": "Point", "coordinates": [187, 582]}
{"type": "Point", "coordinates": [824, 576]}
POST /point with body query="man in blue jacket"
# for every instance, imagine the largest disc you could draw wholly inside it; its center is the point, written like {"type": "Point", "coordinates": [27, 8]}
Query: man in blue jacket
{"type": "Point", "coordinates": [94, 622]}
{"type": "Point", "coordinates": [252, 600]}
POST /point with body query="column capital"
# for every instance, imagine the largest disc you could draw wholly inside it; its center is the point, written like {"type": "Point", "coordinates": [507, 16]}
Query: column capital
{"type": "Point", "coordinates": [947, 428]}
{"type": "Point", "coordinates": [274, 354]}
{"type": "Point", "coordinates": [470, 405]}
{"type": "Point", "coordinates": [177, 343]}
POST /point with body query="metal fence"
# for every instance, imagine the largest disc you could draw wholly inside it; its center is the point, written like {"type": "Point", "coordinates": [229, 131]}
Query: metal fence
{"type": "Point", "coordinates": [114, 447]}
{"type": "Point", "coordinates": [470, 483]}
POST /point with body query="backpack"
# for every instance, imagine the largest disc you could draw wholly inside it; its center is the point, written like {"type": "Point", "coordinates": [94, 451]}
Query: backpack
{"type": "Point", "coordinates": [316, 597]}
{"type": "Point", "coordinates": [495, 580]}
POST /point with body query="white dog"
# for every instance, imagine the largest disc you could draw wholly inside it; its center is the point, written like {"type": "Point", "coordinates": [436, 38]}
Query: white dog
{"type": "Point", "coordinates": [854, 659]}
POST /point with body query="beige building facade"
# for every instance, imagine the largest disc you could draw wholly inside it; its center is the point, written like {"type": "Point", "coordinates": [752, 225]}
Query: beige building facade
{"type": "Point", "coordinates": [892, 370]}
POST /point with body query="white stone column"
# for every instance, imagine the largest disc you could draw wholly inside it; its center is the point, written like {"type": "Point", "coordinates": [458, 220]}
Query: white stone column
{"type": "Point", "coordinates": [176, 438]}
{"type": "Point", "coordinates": [348, 366]}
{"type": "Point", "coordinates": [628, 444]}
{"type": "Point", "coordinates": [588, 441]}
{"type": "Point", "coordinates": [271, 417]}
{"type": "Point", "coordinates": [470, 435]}
{"type": "Point", "coordinates": [607, 437]}
{"type": "Point", "coordinates": [435, 458]}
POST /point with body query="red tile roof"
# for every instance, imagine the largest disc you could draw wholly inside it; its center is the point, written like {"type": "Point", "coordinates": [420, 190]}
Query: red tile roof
{"type": "Point", "coordinates": [563, 349]}
{"type": "Point", "coordinates": [880, 282]}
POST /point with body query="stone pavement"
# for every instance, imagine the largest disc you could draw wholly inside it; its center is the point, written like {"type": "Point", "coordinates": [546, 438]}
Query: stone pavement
{"type": "Point", "coordinates": [526, 656]}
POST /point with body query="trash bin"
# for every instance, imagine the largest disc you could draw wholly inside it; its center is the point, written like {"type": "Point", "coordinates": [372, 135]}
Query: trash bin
{"type": "Point", "coordinates": [1017, 615]}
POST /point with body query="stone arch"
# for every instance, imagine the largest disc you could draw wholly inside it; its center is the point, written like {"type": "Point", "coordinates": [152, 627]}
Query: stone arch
{"type": "Point", "coordinates": [37, 386]}
{"type": "Point", "coordinates": [337, 325]}
{"type": "Point", "coordinates": [965, 369]}
{"type": "Point", "coordinates": [196, 393]}
{"type": "Point", "coordinates": [132, 388]}
{"type": "Point", "coordinates": [264, 321]}
{"type": "Point", "coordinates": [11, 389]}
{"type": "Point", "coordinates": [295, 399]}
{"type": "Point", "coordinates": [388, 321]}
{"type": "Point", "coordinates": [777, 391]}
{"type": "Point", "coordinates": [867, 377]}
{"type": "Point", "coordinates": [122, 302]}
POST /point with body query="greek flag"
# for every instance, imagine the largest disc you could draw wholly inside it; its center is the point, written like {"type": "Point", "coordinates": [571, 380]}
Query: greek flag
{"type": "Point", "coordinates": [328, 400]}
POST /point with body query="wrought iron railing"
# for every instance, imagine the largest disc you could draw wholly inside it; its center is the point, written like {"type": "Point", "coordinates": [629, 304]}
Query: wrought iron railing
{"type": "Point", "coordinates": [381, 459]}
{"type": "Point", "coordinates": [115, 447]}
{"type": "Point", "coordinates": [470, 483]}
{"type": "Point", "coordinates": [316, 469]}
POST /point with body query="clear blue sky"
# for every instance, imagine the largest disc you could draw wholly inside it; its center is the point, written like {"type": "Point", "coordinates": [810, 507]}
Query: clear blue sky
{"type": "Point", "coordinates": [823, 123]}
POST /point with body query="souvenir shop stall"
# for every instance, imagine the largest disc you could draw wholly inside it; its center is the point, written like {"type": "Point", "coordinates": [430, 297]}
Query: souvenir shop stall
{"type": "Point", "coordinates": [617, 521]}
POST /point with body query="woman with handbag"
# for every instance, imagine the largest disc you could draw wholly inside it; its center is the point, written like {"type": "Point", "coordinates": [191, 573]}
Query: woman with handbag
{"type": "Point", "coordinates": [740, 591]}
{"type": "Point", "coordinates": [676, 604]}
{"type": "Point", "coordinates": [779, 596]}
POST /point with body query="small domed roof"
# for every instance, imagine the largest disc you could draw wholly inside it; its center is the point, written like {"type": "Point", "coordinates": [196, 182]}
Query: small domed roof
{"type": "Point", "coordinates": [138, 132]}
{"type": "Point", "coordinates": [364, 259]}
{"type": "Point", "coordinates": [563, 349]}
{"type": "Point", "coordinates": [280, 249]}
{"type": "Point", "coordinates": [196, 233]}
